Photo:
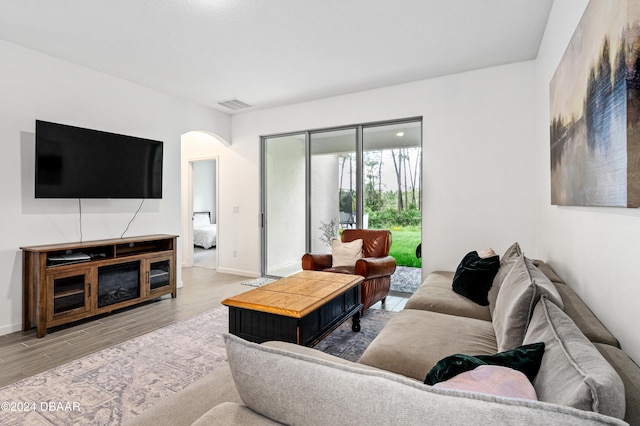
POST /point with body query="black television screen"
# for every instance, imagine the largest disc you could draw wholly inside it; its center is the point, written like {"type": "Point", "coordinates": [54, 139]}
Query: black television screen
{"type": "Point", "coordinates": [72, 162]}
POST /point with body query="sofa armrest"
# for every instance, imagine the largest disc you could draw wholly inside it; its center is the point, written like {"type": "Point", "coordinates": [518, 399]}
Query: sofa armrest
{"type": "Point", "coordinates": [316, 262]}
{"type": "Point", "coordinates": [375, 267]}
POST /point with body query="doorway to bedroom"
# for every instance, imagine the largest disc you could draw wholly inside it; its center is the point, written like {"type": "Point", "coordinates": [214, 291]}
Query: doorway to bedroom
{"type": "Point", "coordinates": [204, 178]}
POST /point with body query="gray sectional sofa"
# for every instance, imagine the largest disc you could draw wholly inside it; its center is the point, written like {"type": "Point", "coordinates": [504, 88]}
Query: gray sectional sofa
{"type": "Point", "coordinates": [584, 376]}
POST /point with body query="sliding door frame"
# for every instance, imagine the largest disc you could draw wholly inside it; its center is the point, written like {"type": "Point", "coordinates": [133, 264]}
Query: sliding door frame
{"type": "Point", "coordinates": [359, 128]}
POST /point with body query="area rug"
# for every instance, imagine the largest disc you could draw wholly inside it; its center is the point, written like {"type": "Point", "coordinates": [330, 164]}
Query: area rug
{"type": "Point", "coordinates": [113, 385]}
{"type": "Point", "coordinates": [345, 343]}
{"type": "Point", "coordinates": [258, 282]}
{"type": "Point", "coordinates": [404, 280]}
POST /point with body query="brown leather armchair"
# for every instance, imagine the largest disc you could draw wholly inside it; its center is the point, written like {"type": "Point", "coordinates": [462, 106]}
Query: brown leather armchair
{"type": "Point", "coordinates": [376, 266]}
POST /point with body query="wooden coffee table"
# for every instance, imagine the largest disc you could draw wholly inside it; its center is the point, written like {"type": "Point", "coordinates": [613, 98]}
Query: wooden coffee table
{"type": "Point", "coordinates": [302, 308]}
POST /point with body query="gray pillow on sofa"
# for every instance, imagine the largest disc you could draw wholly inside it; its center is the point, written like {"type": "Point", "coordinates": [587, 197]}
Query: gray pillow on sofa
{"type": "Point", "coordinates": [573, 372]}
{"type": "Point", "coordinates": [507, 261]}
{"type": "Point", "coordinates": [518, 295]}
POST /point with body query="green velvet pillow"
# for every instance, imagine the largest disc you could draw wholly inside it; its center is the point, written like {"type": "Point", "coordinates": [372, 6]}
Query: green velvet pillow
{"type": "Point", "coordinates": [526, 359]}
{"type": "Point", "coordinates": [474, 277]}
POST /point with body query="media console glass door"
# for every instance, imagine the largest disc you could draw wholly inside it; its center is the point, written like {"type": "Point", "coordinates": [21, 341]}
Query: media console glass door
{"type": "Point", "coordinates": [70, 292]}
{"type": "Point", "coordinates": [158, 273]}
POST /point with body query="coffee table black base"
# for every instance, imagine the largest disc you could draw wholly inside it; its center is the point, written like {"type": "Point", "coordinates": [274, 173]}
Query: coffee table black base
{"type": "Point", "coordinates": [259, 327]}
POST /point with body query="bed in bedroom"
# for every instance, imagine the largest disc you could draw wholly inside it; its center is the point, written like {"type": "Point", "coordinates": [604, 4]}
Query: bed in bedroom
{"type": "Point", "coordinates": [204, 232]}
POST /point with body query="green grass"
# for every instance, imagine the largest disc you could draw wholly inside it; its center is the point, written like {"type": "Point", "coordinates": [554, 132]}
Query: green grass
{"type": "Point", "coordinates": [404, 241]}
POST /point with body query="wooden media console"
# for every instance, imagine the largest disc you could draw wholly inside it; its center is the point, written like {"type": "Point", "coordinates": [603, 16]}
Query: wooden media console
{"type": "Point", "coordinates": [67, 282]}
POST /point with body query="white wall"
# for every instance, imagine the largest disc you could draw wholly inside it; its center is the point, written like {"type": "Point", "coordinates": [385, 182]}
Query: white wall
{"type": "Point", "coordinates": [237, 187]}
{"type": "Point", "coordinates": [594, 249]}
{"type": "Point", "coordinates": [36, 86]}
{"type": "Point", "coordinates": [478, 142]}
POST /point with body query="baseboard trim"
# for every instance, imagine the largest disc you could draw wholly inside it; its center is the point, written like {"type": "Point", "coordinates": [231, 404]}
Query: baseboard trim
{"type": "Point", "coordinates": [238, 272]}
{"type": "Point", "coordinates": [8, 329]}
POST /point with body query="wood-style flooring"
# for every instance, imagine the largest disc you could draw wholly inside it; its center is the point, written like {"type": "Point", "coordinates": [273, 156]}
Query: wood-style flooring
{"type": "Point", "coordinates": [22, 354]}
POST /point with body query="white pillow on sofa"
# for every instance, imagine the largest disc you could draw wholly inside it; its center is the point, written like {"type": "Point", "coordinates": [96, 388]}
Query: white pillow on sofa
{"type": "Point", "coordinates": [346, 254]}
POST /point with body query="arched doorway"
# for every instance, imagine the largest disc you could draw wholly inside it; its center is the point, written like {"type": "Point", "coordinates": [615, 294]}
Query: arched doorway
{"type": "Point", "coordinates": [200, 165]}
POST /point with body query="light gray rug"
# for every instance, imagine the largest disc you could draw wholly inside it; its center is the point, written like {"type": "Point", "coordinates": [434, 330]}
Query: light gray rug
{"type": "Point", "coordinates": [113, 385]}
{"type": "Point", "coordinates": [258, 282]}
{"type": "Point", "coordinates": [406, 279]}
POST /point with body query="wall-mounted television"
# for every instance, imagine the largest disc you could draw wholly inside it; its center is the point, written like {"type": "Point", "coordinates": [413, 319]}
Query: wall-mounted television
{"type": "Point", "coordinates": [73, 162]}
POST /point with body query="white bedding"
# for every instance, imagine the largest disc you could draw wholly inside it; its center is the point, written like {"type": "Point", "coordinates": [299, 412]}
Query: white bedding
{"type": "Point", "coordinates": [205, 236]}
{"type": "Point", "coordinates": [204, 232]}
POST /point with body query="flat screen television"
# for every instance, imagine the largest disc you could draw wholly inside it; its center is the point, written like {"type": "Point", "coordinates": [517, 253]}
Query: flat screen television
{"type": "Point", "coordinates": [73, 162]}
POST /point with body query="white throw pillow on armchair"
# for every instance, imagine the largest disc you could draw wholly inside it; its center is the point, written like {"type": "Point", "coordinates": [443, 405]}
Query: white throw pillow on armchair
{"type": "Point", "coordinates": [346, 254]}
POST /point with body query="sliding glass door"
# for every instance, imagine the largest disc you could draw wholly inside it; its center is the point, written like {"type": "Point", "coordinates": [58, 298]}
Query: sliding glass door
{"type": "Point", "coordinates": [392, 173]}
{"type": "Point", "coordinates": [333, 186]}
{"type": "Point", "coordinates": [392, 176]}
{"type": "Point", "coordinates": [319, 182]}
{"type": "Point", "coordinates": [284, 204]}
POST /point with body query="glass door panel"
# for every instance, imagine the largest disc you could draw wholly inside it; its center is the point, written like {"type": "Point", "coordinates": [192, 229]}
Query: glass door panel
{"type": "Point", "coordinates": [333, 186]}
{"type": "Point", "coordinates": [159, 273]}
{"type": "Point", "coordinates": [69, 292]}
{"type": "Point", "coordinates": [392, 176]}
{"type": "Point", "coordinates": [284, 180]}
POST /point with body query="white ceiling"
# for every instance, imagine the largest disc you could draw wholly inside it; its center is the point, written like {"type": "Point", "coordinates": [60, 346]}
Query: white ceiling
{"type": "Point", "coordinates": [275, 52]}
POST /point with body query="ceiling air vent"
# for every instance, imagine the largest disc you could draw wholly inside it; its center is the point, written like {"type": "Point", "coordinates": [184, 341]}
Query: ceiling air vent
{"type": "Point", "coordinates": [234, 104]}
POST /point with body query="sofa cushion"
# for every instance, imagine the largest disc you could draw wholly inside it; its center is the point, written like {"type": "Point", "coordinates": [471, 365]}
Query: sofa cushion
{"type": "Point", "coordinates": [584, 318]}
{"type": "Point", "coordinates": [296, 389]}
{"type": "Point", "coordinates": [577, 310]}
{"type": "Point", "coordinates": [346, 254]}
{"type": "Point", "coordinates": [474, 276]}
{"type": "Point", "coordinates": [518, 295]}
{"type": "Point", "coordinates": [548, 271]}
{"type": "Point", "coordinates": [573, 372]}
{"type": "Point", "coordinates": [230, 413]}
{"type": "Point", "coordinates": [629, 372]}
{"type": "Point", "coordinates": [507, 261]}
{"type": "Point", "coordinates": [525, 359]}
{"type": "Point", "coordinates": [493, 380]}
{"type": "Point", "coordinates": [413, 341]}
{"type": "Point", "coordinates": [436, 294]}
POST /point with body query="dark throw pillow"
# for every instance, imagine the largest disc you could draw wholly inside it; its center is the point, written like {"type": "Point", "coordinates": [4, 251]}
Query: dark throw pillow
{"type": "Point", "coordinates": [474, 277]}
{"type": "Point", "coordinates": [526, 359]}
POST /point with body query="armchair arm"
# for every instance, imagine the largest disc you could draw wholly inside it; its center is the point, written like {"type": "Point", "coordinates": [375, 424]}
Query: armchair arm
{"type": "Point", "coordinates": [375, 267]}
{"type": "Point", "coordinates": [316, 262]}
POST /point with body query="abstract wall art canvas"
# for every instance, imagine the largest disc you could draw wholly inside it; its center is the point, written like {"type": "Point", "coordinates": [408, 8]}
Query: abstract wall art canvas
{"type": "Point", "coordinates": [595, 110]}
